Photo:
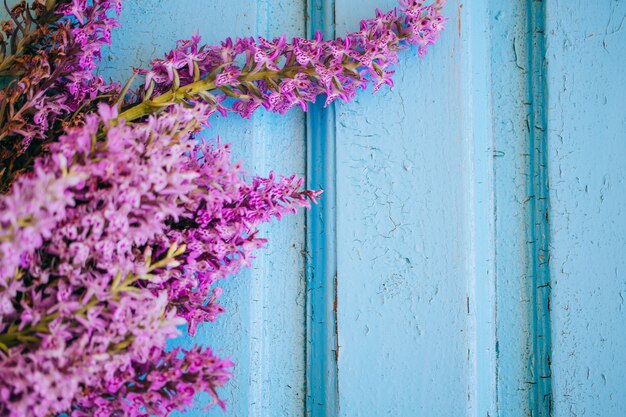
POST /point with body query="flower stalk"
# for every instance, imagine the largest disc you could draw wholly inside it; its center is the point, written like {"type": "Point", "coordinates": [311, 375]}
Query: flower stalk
{"type": "Point", "coordinates": [249, 74]}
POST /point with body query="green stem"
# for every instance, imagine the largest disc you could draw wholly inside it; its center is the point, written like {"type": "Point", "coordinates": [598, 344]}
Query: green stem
{"type": "Point", "coordinates": [13, 338]}
{"type": "Point", "coordinates": [205, 85]}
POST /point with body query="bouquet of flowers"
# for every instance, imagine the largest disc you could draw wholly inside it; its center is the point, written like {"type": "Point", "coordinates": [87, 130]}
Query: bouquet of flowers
{"type": "Point", "coordinates": [117, 218]}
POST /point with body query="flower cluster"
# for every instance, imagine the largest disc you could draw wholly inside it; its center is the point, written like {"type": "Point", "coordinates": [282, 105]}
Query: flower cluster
{"type": "Point", "coordinates": [117, 219]}
{"type": "Point", "coordinates": [144, 222]}
{"type": "Point", "coordinates": [167, 382]}
{"type": "Point", "coordinates": [51, 72]}
{"type": "Point", "coordinates": [245, 74]}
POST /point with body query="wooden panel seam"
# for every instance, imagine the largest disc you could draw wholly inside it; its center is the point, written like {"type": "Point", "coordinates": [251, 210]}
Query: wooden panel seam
{"type": "Point", "coordinates": [322, 338]}
{"type": "Point", "coordinates": [540, 393]}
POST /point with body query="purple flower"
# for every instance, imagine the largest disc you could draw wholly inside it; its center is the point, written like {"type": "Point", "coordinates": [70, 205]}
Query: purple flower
{"type": "Point", "coordinates": [134, 231]}
{"type": "Point", "coordinates": [53, 73]}
{"type": "Point", "coordinates": [293, 74]}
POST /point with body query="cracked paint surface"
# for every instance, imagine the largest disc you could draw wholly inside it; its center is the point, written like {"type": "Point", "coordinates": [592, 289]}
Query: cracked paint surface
{"type": "Point", "coordinates": [402, 169]}
{"type": "Point", "coordinates": [587, 131]}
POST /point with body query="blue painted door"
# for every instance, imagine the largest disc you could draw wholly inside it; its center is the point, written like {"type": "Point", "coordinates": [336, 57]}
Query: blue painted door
{"type": "Point", "coordinates": [468, 258]}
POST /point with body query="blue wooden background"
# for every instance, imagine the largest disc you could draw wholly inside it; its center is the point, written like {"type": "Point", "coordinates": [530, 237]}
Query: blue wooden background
{"type": "Point", "coordinates": [473, 231]}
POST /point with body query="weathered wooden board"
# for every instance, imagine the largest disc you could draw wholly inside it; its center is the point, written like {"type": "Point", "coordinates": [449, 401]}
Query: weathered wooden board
{"type": "Point", "coordinates": [586, 118]}
{"type": "Point", "coordinates": [404, 251]}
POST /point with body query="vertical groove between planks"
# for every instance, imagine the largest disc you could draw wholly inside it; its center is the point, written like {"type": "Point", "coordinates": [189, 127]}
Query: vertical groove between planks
{"type": "Point", "coordinates": [322, 339]}
{"type": "Point", "coordinates": [540, 393]}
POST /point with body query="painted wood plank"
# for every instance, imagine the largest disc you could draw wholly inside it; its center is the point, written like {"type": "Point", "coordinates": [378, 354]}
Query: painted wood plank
{"type": "Point", "coordinates": [264, 324]}
{"type": "Point", "coordinates": [497, 225]}
{"type": "Point", "coordinates": [478, 124]}
{"type": "Point", "coordinates": [587, 147]}
{"type": "Point", "coordinates": [404, 216]}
